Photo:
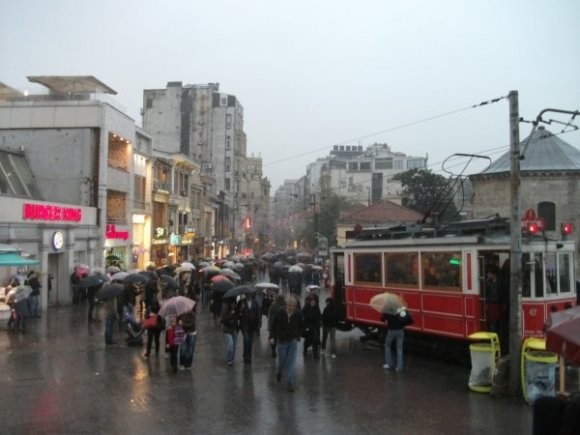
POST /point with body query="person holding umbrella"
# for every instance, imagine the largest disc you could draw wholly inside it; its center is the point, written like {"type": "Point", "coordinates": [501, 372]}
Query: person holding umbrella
{"type": "Point", "coordinates": [395, 333]}
{"type": "Point", "coordinates": [286, 332]}
{"type": "Point", "coordinates": [107, 294]}
{"type": "Point", "coordinates": [230, 329]}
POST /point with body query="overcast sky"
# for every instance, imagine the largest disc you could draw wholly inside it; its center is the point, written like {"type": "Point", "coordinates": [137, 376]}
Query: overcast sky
{"type": "Point", "coordinates": [312, 74]}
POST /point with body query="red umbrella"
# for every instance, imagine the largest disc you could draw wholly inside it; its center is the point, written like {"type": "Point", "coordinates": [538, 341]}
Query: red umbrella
{"type": "Point", "coordinates": [563, 334]}
{"type": "Point", "coordinates": [217, 278]}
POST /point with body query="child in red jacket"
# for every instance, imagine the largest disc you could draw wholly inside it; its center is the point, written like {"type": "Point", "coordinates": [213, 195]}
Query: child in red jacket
{"type": "Point", "coordinates": [174, 338]}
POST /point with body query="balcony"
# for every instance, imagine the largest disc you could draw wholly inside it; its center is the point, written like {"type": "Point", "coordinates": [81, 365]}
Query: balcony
{"type": "Point", "coordinates": [159, 185]}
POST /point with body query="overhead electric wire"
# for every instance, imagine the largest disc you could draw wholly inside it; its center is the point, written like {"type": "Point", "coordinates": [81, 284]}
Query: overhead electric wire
{"type": "Point", "coordinates": [388, 130]}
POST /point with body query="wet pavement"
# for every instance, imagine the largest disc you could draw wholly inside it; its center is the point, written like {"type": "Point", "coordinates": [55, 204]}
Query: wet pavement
{"type": "Point", "coordinates": [60, 378]}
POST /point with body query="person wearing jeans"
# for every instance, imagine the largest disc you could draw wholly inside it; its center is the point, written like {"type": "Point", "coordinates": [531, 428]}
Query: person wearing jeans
{"type": "Point", "coordinates": [395, 333]}
{"type": "Point", "coordinates": [111, 317]}
{"type": "Point", "coordinates": [230, 330]}
{"type": "Point", "coordinates": [286, 332]}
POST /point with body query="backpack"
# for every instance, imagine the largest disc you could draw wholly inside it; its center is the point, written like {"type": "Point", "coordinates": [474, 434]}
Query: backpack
{"type": "Point", "coordinates": [405, 318]}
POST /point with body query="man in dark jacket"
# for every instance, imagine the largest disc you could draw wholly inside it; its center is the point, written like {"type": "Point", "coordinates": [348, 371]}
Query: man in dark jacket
{"type": "Point", "coordinates": [312, 321]}
{"type": "Point", "coordinates": [395, 333]}
{"type": "Point", "coordinates": [249, 315]}
{"type": "Point", "coordinates": [329, 322]}
{"type": "Point", "coordinates": [286, 332]}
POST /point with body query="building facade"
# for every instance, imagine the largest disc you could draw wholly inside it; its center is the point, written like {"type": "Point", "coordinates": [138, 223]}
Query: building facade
{"type": "Point", "coordinates": [549, 187]}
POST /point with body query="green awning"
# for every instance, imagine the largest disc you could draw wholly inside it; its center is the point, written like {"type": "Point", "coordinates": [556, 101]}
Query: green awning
{"type": "Point", "coordinates": [13, 259]}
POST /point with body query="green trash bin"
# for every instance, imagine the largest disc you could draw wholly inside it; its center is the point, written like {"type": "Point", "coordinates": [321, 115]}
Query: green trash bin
{"type": "Point", "coordinates": [484, 351]}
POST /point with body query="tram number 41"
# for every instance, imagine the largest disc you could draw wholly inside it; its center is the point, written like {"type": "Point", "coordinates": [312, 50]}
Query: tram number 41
{"type": "Point", "coordinates": [533, 312]}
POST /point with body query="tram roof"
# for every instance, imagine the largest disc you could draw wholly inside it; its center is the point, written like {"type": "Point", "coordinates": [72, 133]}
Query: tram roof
{"type": "Point", "coordinates": [494, 226]}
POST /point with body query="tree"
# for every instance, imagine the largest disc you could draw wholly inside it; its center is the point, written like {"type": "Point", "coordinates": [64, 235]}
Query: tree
{"type": "Point", "coordinates": [428, 193]}
{"type": "Point", "coordinates": [325, 213]}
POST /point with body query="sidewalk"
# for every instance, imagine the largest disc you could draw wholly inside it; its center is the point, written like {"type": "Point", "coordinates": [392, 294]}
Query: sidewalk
{"type": "Point", "coordinates": [61, 378]}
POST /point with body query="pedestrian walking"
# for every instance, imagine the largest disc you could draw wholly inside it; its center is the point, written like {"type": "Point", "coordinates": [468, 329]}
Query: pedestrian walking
{"type": "Point", "coordinates": [175, 336]}
{"type": "Point", "coordinates": [278, 305]}
{"type": "Point", "coordinates": [230, 329]}
{"type": "Point", "coordinates": [34, 283]}
{"type": "Point", "coordinates": [111, 317]}
{"type": "Point", "coordinates": [187, 347]}
{"type": "Point", "coordinates": [312, 321]}
{"type": "Point", "coordinates": [154, 332]}
{"type": "Point", "coordinates": [286, 333]}
{"type": "Point", "coordinates": [329, 322]}
{"type": "Point", "coordinates": [249, 322]}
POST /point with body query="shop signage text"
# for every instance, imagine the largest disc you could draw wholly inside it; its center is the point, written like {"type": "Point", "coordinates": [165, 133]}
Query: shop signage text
{"type": "Point", "coordinates": [112, 233]}
{"type": "Point", "coordinates": [51, 213]}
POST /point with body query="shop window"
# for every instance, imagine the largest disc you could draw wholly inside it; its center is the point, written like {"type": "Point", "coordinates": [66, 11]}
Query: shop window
{"type": "Point", "coordinates": [139, 192]}
{"type": "Point", "coordinates": [16, 178]}
{"type": "Point", "coordinates": [119, 150]}
{"type": "Point", "coordinates": [116, 207]}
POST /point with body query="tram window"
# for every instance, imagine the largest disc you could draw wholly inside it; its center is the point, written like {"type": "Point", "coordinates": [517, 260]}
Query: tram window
{"type": "Point", "coordinates": [564, 272]}
{"type": "Point", "coordinates": [442, 270]}
{"type": "Point", "coordinates": [551, 275]}
{"type": "Point", "coordinates": [367, 268]}
{"type": "Point", "coordinates": [527, 268]}
{"type": "Point", "coordinates": [402, 268]}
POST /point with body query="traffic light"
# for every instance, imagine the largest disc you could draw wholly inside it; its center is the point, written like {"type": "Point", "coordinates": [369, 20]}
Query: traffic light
{"type": "Point", "coordinates": [566, 228]}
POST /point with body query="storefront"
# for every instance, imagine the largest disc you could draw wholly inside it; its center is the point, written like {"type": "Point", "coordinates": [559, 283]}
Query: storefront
{"type": "Point", "coordinates": [58, 236]}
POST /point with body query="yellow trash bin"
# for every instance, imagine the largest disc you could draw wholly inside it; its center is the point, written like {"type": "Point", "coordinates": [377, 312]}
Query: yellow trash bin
{"type": "Point", "coordinates": [538, 370]}
{"type": "Point", "coordinates": [485, 351]}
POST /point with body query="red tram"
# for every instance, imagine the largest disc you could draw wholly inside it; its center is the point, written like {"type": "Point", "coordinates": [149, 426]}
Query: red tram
{"type": "Point", "coordinates": [451, 277]}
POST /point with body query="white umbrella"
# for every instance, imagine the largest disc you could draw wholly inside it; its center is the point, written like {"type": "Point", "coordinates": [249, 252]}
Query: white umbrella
{"type": "Point", "coordinates": [113, 269]}
{"type": "Point", "coordinates": [295, 268]}
{"type": "Point", "coordinates": [266, 285]}
{"type": "Point", "coordinates": [188, 265]}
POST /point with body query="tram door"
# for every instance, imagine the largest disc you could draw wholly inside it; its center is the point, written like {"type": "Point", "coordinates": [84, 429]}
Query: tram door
{"type": "Point", "coordinates": [337, 282]}
{"type": "Point", "coordinates": [494, 284]}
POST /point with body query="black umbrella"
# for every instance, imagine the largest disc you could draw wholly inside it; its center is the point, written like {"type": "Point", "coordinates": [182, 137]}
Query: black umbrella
{"type": "Point", "coordinates": [149, 274]}
{"type": "Point", "coordinates": [169, 282]}
{"type": "Point", "coordinates": [134, 278]}
{"type": "Point", "coordinates": [92, 281]}
{"type": "Point", "coordinates": [239, 290]}
{"type": "Point", "coordinates": [109, 291]}
{"type": "Point", "coordinates": [222, 286]}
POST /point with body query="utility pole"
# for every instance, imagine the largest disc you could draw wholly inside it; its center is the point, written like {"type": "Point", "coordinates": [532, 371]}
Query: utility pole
{"type": "Point", "coordinates": [313, 203]}
{"type": "Point", "coordinates": [515, 296]}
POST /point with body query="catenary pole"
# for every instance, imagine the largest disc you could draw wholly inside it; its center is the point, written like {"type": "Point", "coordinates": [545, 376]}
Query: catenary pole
{"type": "Point", "coordinates": [515, 296]}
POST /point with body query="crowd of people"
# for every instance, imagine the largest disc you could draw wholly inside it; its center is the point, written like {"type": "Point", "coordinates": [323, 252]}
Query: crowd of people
{"type": "Point", "coordinates": [138, 310]}
{"type": "Point", "coordinates": [22, 296]}
{"type": "Point", "coordinates": [134, 303]}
